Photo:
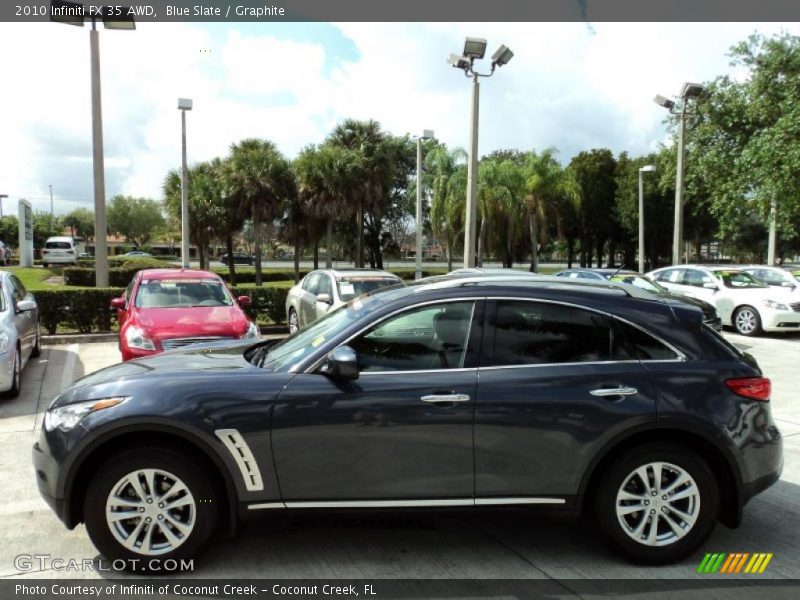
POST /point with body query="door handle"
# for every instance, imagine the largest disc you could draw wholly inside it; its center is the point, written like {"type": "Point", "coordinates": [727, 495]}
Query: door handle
{"type": "Point", "coordinates": [617, 391]}
{"type": "Point", "coordinates": [437, 398]}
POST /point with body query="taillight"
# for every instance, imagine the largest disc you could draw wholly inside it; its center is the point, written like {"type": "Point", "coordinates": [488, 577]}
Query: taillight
{"type": "Point", "coordinates": [755, 388]}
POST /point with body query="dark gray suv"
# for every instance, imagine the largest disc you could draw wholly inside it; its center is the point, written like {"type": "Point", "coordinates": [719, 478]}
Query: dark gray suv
{"type": "Point", "coordinates": [463, 392]}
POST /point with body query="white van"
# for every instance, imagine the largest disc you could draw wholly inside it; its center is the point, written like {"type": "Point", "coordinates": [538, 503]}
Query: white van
{"type": "Point", "coordinates": [59, 250]}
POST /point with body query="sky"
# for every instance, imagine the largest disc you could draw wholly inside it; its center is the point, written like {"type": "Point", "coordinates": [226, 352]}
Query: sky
{"type": "Point", "coordinates": [574, 86]}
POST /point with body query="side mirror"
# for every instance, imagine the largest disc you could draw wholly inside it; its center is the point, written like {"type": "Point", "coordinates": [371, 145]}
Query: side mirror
{"type": "Point", "coordinates": [25, 305]}
{"type": "Point", "coordinates": [244, 300]}
{"type": "Point", "coordinates": [118, 303]}
{"type": "Point", "coordinates": [710, 286]}
{"type": "Point", "coordinates": [324, 298]}
{"type": "Point", "coordinates": [341, 363]}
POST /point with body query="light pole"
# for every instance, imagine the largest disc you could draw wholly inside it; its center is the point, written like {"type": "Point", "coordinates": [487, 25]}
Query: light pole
{"type": "Point", "coordinates": [690, 90]}
{"type": "Point", "coordinates": [1, 204]}
{"type": "Point", "coordinates": [427, 134]}
{"type": "Point", "coordinates": [113, 17]}
{"type": "Point", "coordinates": [475, 48]}
{"type": "Point", "coordinates": [184, 104]}
{"type": "Point", "coordinates": [644, 169]}
{"type": "Point", "coordinates": [51, 206]}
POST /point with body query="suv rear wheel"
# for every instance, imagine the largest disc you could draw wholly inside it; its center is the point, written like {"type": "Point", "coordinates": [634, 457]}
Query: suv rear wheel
{"type": "Point", "coordinates": [150, 504]}
{"type": "Point", "coordinates": [657, 503]}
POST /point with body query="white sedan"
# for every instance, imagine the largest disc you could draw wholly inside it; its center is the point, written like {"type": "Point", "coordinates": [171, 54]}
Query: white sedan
{"type": "Point", "coordinates": [742, 301]}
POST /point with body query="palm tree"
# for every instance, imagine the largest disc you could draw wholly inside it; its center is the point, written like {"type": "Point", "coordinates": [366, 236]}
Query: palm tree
{"type": "Point", "coordinates": [229, 219]}
{"type": "Point", "coordinates": [445, 176]}
{"type": "Point", "coordinates": [545, 181]}
{"type": "Point", "coordinates": [500, 202]}
{"type": "Point", "coordinates": [260, 183]}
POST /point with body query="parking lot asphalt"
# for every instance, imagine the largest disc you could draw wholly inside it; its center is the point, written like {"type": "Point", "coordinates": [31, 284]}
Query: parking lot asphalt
{"type": "Point", "coordinates": [507, 545]}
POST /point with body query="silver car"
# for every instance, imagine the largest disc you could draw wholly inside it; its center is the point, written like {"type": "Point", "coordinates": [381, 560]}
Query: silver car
{"type": "Point", "coordinates": [20, 338]}
{"type": "Point", "coordinates": [319, 292]}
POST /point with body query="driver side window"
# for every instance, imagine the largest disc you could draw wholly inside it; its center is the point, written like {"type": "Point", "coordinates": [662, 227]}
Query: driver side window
{"type": "Point", "coordinates": [425, 338]}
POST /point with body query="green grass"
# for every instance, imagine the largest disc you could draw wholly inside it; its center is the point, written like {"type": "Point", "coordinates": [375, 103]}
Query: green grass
{"type": "Point", "coordinates": [32, 277]}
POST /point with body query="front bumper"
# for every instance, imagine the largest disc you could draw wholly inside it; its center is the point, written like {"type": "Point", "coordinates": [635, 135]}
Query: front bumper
{"type": "Point", "coordinates": [780, 320]}
{"type": "Point", "coordinates": [47, 470]}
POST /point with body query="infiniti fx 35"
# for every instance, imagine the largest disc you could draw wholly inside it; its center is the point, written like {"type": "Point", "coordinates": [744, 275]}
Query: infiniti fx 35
{"type": "Point", "coordinates": [464, 392]}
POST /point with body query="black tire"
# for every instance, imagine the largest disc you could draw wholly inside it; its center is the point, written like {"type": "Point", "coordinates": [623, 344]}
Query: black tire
{"type": "Point", "coordinates": [167, 460]}
{"type": "Point", "coordinates": [747, 321]}
{"type": "Point", "coordinates": [37, 347]}
{"type": "Point", "coordinates": [16, 377]}
{"type": "Point", "coordinates": [44, 265]}
{"type": "Point", "coordinates": [706, 510]}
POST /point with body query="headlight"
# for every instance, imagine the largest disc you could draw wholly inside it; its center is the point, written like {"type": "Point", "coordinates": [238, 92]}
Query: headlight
{"type": "Point", "coordinates": [774, 304]}
{"type": "Point", "coordinates": [252, 332]}
{"type": "Point", "coordinates": [67, 417]}
{"type": "Point", "coordinates": [3, 342]}
{"type": "Point", "coordinates": [135, 338]}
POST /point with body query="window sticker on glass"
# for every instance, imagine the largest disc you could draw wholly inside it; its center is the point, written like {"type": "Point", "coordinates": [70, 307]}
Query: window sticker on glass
{"type": "Point", "coordinates": [346, 288]}
{"type": "Point", "coordinates": [318, 341]}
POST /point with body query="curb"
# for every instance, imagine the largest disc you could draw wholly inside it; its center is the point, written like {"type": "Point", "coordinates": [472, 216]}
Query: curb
{"type": "Point", "coordinates": [88, 338]}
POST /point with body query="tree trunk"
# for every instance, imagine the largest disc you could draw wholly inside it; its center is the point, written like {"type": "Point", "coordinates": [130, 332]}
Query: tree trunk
{"type": "Point", "coordinates": [449, 252]}
{"type": "Point", "coordinates": [534, 242]}
{"type": "Point", "coordinates": [329, 243]}
{"type": "Point", "coordinates": [481, 243]}
{"type": "Point", "coordinates": [360, 235]}
{"type": "Point", "coordinates": [257, 244]}
{"type": "Point", "coordinates": [316, 254]}
{"type": "Point", "coordinates": [600, 244]}
{"type": "Point", "coordinates": [570, 251]}
{"type": "Point", "coordinates": [231, 266]}
{"type": "Point", "coordinates": [297, 253]}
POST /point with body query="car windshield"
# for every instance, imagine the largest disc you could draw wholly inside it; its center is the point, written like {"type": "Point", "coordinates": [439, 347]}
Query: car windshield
{"type": "Point", "coordinates": [350, 287]}
{"type": "Point", "coordinates": [296, 347]}
{"type": "Point", "coordinates": [641, 282]}
{"type": "Point", "coordinates": [739, 280]}
{"type": "Point", "coordinates": [174, 293]}
{"type": "Point", "coordinates": [58, 245]}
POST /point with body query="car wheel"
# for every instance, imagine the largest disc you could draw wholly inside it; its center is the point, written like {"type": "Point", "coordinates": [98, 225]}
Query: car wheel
{"type": "Point", "coordinates": [747, 321]}
{"type": "Point", "coordinates": [657, 503]}
{"type": "Point", "coordinates": [150, 503]}
{"type": "Point", "coordinates": [37, 346]}
{"type": "Point", "coordinates": [294, 322]}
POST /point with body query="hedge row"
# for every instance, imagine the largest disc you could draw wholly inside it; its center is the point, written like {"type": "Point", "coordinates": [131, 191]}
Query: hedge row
{"type": "Point", "coordinates": [119, 275]}
{"type": "Point", "coordinates": [89, 310]}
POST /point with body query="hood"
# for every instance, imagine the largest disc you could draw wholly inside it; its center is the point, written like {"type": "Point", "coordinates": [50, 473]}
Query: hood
{"type": "Point", "coordinates": [708, 309]}
{"type": "Point", "coordinates": [165, 323]}
{"type": "Point", "coordinates": [214, 360]}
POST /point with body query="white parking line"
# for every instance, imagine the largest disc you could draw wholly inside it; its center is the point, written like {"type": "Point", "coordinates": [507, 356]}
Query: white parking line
{"type": "Point", "coordinates": [69, 366]}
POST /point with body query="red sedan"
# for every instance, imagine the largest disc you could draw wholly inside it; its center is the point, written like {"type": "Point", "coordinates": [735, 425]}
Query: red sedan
{"type": "Point", "coordinates": [163, 309]}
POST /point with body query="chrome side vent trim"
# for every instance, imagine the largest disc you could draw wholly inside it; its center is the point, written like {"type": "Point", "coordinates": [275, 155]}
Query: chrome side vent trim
{"type": "Point", "coordinates": [244, 458]}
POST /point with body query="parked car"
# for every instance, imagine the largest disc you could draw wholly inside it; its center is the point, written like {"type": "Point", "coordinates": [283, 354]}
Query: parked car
{"type": "Point", "coordinates": [321, 292]}
{"type": "Point", "coordinates": [20, 335]}
{"type": "Point", "coordinates": [163, 309]}
{"type": "Point", "coordinates": [710, 316]}
{"type": "Point", "coordinates": [239, 258]}
{"type": "Point", "coordinates": [138, 253]}
{"type": "Point", "coordinates": [742, 301]}
{"type": "Point", "coordinates": [60, 250]}
{"type": "Point", "coordinates": [787, 277]}
{"type": "Point", "coordinates": [429, 396]}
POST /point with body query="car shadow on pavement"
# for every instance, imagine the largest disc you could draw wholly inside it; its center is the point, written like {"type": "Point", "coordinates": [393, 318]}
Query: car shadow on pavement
{"type": "Point", "coordinates": [506, 545]}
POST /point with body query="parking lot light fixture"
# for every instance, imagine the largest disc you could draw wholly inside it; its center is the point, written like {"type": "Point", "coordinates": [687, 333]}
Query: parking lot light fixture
{"type": "Point", "coordinates": [644, 169]}
{"type": "Point", "coordinates": [475, 48]}
{"type": "Point", "coordinates": [113, 17]}
{"type": "Point", "coordinates": [427, 134]}
{"type": "Point", "coordinates": [689, 91]}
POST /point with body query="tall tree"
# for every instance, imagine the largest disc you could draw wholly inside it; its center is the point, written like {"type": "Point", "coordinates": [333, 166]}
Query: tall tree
{"type": "Point", "coordinates": [595, 176]}
{"type": "Point", "coordinates": [446, 177]}
{"type": "Point", "coordinates": [260, 182]}
{"type": "Point", "coordinates": [80, 222]}
{"type": "Point", "coordinates": [134, 218]}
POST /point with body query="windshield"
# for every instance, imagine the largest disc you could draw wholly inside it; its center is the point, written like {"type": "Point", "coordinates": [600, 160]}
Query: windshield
{"type": "Point", "coordinates": [300, 345]}
{"type": "Point", "coordinates": [641, 282]}
{"type": "Point", "coordinates": [58, 245]}
{"type": "Point", "coordinates": [739, 280]}
{"type": "Point", "coordinates": [355, 286]}
{"type": "Point", "coordinates": [173, 293]}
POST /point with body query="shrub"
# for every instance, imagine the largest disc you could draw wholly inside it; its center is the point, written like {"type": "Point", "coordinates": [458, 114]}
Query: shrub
{"type": "Point", "coordinates": [85, 310]}
{"type": "Point", "coordinates": [120, 272]}
{"type": "Point", "coordinates": [249, 276]}
{"type": "Point", "coordinates": [266, 301]}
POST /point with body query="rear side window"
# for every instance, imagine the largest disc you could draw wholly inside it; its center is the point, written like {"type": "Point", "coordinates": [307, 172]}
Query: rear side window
{"type": "Point", "coordinates": [637, 344]}
{"type": "Point", "coordinates": [534, 333]}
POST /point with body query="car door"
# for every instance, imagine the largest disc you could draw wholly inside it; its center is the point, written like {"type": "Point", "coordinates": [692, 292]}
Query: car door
{"type": "Point", "coordinates": [400, 434]}
{"type": "Point", "coordinates": [555, 387]}
{"type": "Point", "coordinates": [308, 298]}
{"type": "Point", "coordinates": [24, 321]}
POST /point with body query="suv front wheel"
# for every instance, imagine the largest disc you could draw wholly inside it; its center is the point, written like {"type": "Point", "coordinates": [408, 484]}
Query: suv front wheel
{"type": "Point", "coordinates": [657, 503]}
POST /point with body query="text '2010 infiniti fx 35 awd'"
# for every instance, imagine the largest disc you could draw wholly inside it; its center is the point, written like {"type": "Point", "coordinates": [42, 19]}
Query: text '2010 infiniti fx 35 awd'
{"type": "Point", "coordinates": [464, 392]}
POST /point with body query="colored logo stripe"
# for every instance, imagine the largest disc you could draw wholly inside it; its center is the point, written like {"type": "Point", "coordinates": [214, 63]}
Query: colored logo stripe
{"type": "Point", "coordinates": [721, 562]}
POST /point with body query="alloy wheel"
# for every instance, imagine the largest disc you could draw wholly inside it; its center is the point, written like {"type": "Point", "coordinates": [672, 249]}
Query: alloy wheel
{"type": "Point", "coordinates": [294, 324]}
{"type": "Point", "coordinates": [658, 504]}
{"type": "Point", "coordinates": [746, 321]}
{"type": "Point", "coordinates": [151, 512]}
